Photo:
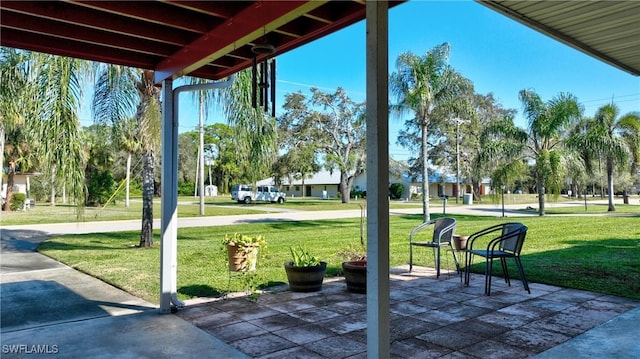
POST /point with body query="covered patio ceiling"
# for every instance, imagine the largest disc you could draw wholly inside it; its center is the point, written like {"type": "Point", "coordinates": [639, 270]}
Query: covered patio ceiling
{"type": "Point", "coordinates": [213, 39]}
{"type": "Point", "coordinates": [207, 39]}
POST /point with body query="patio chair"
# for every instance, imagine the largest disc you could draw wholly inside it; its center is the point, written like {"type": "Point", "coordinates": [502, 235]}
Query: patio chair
{"type": "Point", "coordinates": [443, 229]}
{"type": "Point", "coordinates": [507, 243]}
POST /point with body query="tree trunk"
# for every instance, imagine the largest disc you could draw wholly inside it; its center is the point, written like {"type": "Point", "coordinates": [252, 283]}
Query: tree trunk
{"type": "Point", "coordinates": [476, 191]}
{"type": "Point", "coordinates": [344, 187]}
{"type": "Point", "coordinates": [6, 206]}
{"type": "Point", "coordinates": [127, 179]}
{"type": "Point", "coordinates": [612, 207]}
{"type": "Point", "coordinates": [146, 235]}
{"type": "Point", "coordinates": [2, 140]}
{"type": "Point", "coordinates": [53, 186]}
{"type": "Point", "coordinates": [540, 189]}
{"type": "Point", "coordinates": [425, 174]}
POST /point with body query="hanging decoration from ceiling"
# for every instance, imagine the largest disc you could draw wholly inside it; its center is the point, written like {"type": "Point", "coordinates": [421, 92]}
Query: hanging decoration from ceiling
{"type": "Point", "coordinates": [263, 78]}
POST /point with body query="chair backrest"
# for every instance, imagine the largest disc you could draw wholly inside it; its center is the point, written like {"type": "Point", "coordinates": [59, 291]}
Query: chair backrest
{"type": "Point", "coordinates": [514, 235]}
{"type": "Point", "coordinates": [443, 229]}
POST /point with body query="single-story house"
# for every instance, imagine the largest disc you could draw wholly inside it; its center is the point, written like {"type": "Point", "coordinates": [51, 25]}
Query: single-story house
{"type": "Point", "coordinates": [442, 184]}
{"type": "Point", "coordinates": [325, 184]}
{"type": "Point", "coordinates": [21, 183]}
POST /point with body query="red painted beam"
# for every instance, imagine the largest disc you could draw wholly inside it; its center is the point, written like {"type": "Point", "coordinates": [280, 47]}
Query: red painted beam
{"type": "Point", "coordinates": [248, 25]}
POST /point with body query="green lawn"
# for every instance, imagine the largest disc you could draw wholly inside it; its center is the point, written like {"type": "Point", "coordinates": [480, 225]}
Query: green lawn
{"type": "Point", "coordinates": [599, 253]}
{"type": "Point", "coordinates": [593, 208]}
{"type": "Point", "coordinates": [62, 213]}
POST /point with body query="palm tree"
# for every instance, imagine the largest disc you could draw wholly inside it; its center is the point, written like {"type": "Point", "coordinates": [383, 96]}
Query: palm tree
{"type": "Point", "coordinates": [483, 148]}
{"type": "Point", "coordinates": [118, 92]}
{"type": "Point", "coordinates": [205, 100]}
{"type": "Point", "coordinates": [14, 97]}
{"type": "Point", "coordinates": [127, 139]}
{"type": "Point", "coordinates": [616, 139]}
{"type": "Point", "coordinates": [422, 84]}
{"type": "Point", "coordinates": [56, 130]}
{"type": "Point", "coordinates": [547, 122]}
{"type": "Point", "coordinates": [255, 130]}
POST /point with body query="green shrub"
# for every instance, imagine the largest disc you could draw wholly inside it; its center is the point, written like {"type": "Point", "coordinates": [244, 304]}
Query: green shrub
{"type": "Point", "coordinates": [186, 188]}
{"type": "Point", "coordinates": [17, 201]}
{"type": "Point", "coordinates": [358, 193]}
{"type": "Point", "coordinates": [396, 189]}
{"type": "Point", "coordinates": [100, 187]}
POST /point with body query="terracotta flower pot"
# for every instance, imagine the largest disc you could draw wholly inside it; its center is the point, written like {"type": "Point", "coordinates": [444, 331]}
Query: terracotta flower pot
{"type": "Point", "coordinates": [460, 242]}
{"type": "Point", "coordinates": [242, 259]}
{"type": "Point", "coordinates": [355, 275]}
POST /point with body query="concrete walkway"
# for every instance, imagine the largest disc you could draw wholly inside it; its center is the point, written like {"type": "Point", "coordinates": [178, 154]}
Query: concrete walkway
{"type": "Point", "coordinates": [48, 308]}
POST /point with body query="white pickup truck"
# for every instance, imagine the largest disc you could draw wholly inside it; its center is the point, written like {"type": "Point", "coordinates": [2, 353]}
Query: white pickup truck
{"type": "Point", "coordinates": [245, 194]}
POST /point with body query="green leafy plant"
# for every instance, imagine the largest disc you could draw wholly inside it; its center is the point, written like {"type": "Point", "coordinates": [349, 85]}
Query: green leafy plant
{"type": "Point", "coordinates": [302, 258]}
{"type": "Point", "coordinates": [17, 202]}
{"type": "Point", "coordinates": [244, 241]}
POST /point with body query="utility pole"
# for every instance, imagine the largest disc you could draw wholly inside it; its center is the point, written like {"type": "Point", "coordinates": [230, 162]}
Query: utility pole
{"type": "Point", "coordinates": [201, 156]}
{"type": "Point", "coordinates": [457, 160]}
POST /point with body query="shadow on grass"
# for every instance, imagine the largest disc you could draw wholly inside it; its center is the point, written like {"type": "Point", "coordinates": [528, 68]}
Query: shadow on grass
{"type": "Point", "coordinates": [99, 241]}
{"type": "Point", "coordinates": [608, 266]}
{"type": "Point", "coordinates": [200, 290]}
{"type": "Point", "coordinates": [207, 291]}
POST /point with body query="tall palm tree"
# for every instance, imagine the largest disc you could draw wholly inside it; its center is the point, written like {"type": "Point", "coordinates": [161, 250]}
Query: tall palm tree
{"type": "Point", "coordinates": [127, 138]}
{"type": "Point", "coordinates": [477, 140]}
{"type": "Point", "coordinates": [547, 122]}
{"type": "Point", "coordinates": [119, 91]}
{"type": "Point", "coordinates": [206, 99]}
{"type": "Point", "coordinates": [422, 84]}
{"type": "Point", "coordinates": [57, 129]}
{"type": "Point", "coordinates": [14, 99]}
{"type": "Point", "coordinates": [255, 130]}
{"type": "Point", "coordinates": [616, 139]}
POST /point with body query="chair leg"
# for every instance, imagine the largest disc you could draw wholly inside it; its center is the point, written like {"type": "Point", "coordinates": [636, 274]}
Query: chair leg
{"type": "Point", "coordinates": [521, 270]}
{"type": "Point", "coordinates": [455, 259]}
{"type": "Point", "coordinates": [487, 276]}
{"type": "Point", "coordinates": [436, 260]}
{"type": "Point", "coordinates": [410, 257]}
{"type": "Point", "coordinates": [505, 271]}
{"type": "Point", "coordinates": [468, 258]}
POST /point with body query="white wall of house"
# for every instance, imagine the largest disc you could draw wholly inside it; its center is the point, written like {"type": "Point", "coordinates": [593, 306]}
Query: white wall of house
{"type": "Point", "coordinates": [20, 184]}
{"type": "Point", "coordinates": [330, 182]}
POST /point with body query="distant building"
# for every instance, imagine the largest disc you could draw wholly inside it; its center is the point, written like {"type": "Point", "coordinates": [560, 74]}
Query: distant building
{"type": "Point", "coordinates": [325, 184]}
{"type": "Point", "coordinates": [21, 183]}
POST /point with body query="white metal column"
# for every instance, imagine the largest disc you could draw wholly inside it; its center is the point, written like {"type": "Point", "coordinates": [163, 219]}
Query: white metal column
{"type": "Point", "coordinates": [378, 338]}
{"type": "Point", "coordinates": [169, 201]}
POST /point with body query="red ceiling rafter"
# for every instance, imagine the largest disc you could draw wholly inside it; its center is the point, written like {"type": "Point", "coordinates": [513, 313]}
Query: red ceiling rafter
{"type": "Point", "coordinates": [248, 25]}
{"type": "Point", "coordinates": [209, 39]}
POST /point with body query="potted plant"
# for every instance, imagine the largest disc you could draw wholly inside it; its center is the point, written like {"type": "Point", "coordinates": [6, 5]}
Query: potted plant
{"type": "Point", "coordinates": [242, 251]}
{"type": "Point", "coordinates": [354, 267]}
{"type": "Point", "coordinates": [305, 272]}
{"type": "Point", "coordinates": [460, 242]}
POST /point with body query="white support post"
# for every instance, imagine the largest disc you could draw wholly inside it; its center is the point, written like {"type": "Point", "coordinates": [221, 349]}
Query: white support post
{"type": "Point", "coordinates": [169, 200]}
{"type": "Point", "coordinates": [378, 322]}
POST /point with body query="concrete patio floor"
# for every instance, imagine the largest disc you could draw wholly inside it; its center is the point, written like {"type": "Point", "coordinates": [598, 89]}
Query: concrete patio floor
{"type": "Point", "coordinates": [430, 318]}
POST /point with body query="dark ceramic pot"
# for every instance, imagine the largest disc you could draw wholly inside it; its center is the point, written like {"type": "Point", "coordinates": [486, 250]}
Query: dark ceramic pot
{"type": "Point", "coordinates": [305, 279]}
{"type": "Point", "coordinates": [355, 274]}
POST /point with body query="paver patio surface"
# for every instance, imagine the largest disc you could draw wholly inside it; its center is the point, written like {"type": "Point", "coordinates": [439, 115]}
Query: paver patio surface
{"type": "Point", "coordinates": [430, 318]}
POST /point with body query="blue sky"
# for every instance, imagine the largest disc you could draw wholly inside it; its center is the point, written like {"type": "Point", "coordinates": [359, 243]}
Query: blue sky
{"type": "Point", "coordinates": [496, 53]}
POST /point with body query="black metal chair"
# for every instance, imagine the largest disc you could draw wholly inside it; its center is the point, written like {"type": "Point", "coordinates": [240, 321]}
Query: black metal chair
{"type": "Point", "coordinates": [507, 243]}
{"type": "Point", "coordinates": [443, 229]}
